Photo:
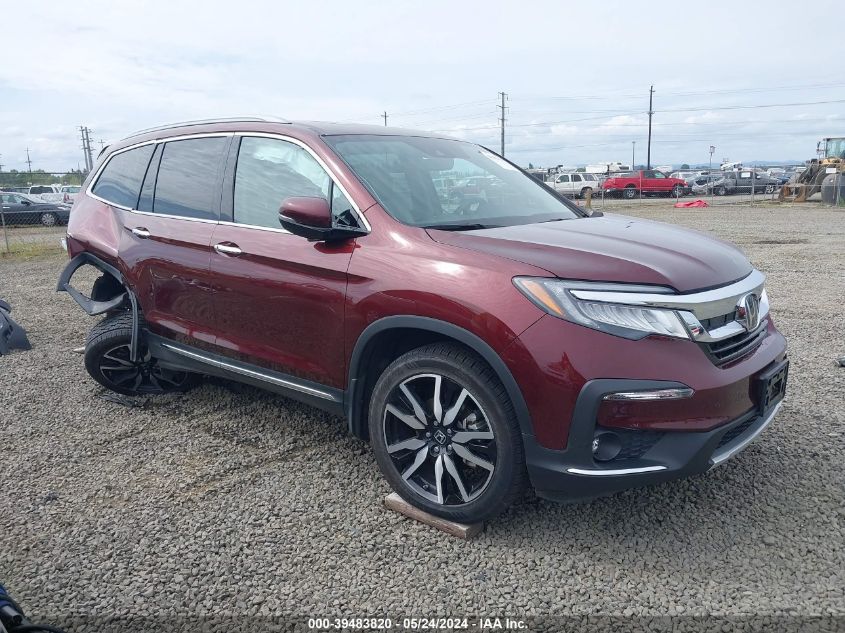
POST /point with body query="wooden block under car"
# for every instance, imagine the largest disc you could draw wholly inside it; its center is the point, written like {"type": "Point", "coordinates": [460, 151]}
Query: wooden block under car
{"type": "Point", "coordinates": [462, 530]}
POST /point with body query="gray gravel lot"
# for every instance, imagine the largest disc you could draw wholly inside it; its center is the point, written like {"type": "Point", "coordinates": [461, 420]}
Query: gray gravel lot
{"type": "Point", "coordinates": [228, 501]}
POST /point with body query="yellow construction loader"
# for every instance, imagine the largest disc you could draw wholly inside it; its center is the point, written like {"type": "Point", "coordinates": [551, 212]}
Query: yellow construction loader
{"type": "Point", "coordinates": [825, 174]}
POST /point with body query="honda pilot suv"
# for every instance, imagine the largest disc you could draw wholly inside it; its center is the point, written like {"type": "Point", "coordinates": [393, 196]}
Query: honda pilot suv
{"type": "Point", "coordinates": [479, 340]}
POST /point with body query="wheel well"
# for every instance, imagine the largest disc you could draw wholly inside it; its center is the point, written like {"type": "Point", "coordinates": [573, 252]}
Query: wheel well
{"type": "Point", "coordinates": [381, 350]}
{"type": "Point", "coordinates": [388, 338]}
{"type": "Point", "coordinates": [106, 287]}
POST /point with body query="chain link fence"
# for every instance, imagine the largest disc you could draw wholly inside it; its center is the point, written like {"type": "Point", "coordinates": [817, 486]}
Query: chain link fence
{"type": "Point", "coordinates": [35, 209]}
{"type": "Point", "coordinates": [735, 190]}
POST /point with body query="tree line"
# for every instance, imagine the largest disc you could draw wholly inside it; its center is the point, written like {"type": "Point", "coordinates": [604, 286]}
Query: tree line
{"type": "Point", "coordinates": [15, 178]}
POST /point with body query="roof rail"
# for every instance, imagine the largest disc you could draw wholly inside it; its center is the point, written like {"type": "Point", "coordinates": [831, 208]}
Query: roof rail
{"type": "Point", "coordinates": [234, 119]}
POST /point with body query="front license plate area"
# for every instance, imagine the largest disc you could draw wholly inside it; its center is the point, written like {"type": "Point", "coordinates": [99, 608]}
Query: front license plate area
{"type": "Point", "coordinates": [771, 386]}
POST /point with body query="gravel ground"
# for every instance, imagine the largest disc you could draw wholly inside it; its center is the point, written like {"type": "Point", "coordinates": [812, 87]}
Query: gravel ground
{"type": "Point", "coordinates": [228, 502]}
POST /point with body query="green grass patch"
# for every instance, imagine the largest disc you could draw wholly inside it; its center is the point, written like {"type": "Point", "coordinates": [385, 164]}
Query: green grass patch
{"type": "Point", "coordinates": [28, 250]}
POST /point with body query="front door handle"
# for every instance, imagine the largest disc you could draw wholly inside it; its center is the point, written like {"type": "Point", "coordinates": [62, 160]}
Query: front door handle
{"type": "Point", "coordinates": [140, 232]}
{"type": "Point", "coordinates": [228, 249]}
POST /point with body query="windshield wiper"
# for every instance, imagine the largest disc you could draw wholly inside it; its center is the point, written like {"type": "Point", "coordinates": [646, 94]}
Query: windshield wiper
{"type": "Point", "coordinates": [460, 227]}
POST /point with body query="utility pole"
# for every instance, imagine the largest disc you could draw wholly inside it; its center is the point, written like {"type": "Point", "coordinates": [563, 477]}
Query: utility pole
{"type": "Point", "coordinates": [384, 116]}
{"type": "Point", "coordinates": [86, 147]}
{"type": "Point", "coordinates": [29, 165]}
{"type": "Point", "coordinates": [102, 144]}
{"type": "Point", "coordinates": [88, 150]}
{"type": "Point", "coordinates": [504, 96]}
{"type": "Point", "coordinates": [650, 113]}
{"type": "Point", "coordinates": [710, 173]}
{"type": "Point", "coordinates": [633, 153]}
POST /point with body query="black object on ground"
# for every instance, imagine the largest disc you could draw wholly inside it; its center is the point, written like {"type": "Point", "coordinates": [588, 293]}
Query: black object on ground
{"type": "Point", "coordinates": [13, 619]}
{"type": "Point", "coordinates": [12, 335]}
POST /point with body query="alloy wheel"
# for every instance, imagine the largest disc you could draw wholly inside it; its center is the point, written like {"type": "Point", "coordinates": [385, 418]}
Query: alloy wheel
{"type": "Point", "coordinates": [48, 219]}
{"type": "Point", "coordinates": [439, 439]}
{"type": "Point", "coordinates": [142, 376]}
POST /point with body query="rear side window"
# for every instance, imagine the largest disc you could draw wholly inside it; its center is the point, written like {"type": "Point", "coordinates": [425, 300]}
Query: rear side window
{"type": "Point", "coordinates": [189, 178]}
{"type": "Point", "coordinates": [120, 181]}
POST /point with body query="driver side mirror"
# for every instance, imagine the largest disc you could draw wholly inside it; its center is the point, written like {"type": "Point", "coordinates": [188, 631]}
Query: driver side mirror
{"type": "Point", "coordinates": [311, 218]}
{"type": "Point", "coordinates": [25, 203]}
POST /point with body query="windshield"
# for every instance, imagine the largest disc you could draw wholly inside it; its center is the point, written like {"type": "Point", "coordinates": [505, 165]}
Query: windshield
{"type": "Point", "coordinates": [440, 183]}
{"type": "Point", "coordinates": [836, 148]}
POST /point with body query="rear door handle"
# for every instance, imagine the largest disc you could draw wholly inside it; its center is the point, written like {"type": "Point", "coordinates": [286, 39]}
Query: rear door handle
{"type": "Point", "coordinates": [141, 232]}
{"type": "Point", "coordinates": [228, 249]}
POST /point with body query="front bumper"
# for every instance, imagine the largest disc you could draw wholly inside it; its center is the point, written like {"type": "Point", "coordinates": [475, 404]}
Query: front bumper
{"type": "Point", "coordinates": [573, 473]}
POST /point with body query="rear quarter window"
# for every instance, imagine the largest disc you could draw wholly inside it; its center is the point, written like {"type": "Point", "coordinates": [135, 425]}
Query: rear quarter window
{"type": "Point", "coordinates": [120, 181]}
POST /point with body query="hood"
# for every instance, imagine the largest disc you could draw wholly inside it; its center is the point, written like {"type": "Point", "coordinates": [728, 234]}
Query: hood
{"type": "Point", "coordinates": [612, 248]}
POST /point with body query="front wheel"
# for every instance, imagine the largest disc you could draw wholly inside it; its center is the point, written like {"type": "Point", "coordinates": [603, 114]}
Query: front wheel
{"type": "Point", "coordinates": [770, 188]}
{"type": "Point", "coordinates": [629, 192]}
{"type": "Point", "coordinates": [49, 219]}
{"type": "Point", "coordinates": [445, 434]}
{"type": "Point", "coordinates": [720, 191]}
{"type": "Point", "coordinates": [677, 191]}
{"type": "Point", "coordinates": [107, 359]}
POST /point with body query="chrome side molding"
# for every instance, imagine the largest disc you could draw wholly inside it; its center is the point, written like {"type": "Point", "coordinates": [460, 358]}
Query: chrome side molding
{"type": "Point", "coordinates": [287, 383]}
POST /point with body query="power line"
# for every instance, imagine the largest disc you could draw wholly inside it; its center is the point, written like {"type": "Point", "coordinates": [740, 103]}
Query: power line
{"type": "Point", "coordinates": [756, 106]}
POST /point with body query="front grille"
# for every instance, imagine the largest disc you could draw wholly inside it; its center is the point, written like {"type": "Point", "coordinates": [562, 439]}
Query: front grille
{"type": "Point", "coordinates": [730, 349]}
{"type": "Point", "coordinates": [735, 432]}
{"type": "Point", "coordinates": [719, 321]}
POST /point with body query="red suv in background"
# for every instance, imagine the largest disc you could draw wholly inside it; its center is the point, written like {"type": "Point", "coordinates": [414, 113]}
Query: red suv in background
{"type": "Point", "coordinates": [478, 339]}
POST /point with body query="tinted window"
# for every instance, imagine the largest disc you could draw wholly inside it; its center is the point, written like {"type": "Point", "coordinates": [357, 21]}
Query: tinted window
{"type": "Point", "coordinates": [342, 213]}
{"type": "Point", "coordinates": [576, 178]}
{"type": "Point", "coordinates": [145, 202]}
{"type": "Point", "coordinates": [563, 179]}
{"type": "Point", "coordinates": [188, 178]}
{"type": "Point", "coordinates": [270, 170]}
{"type": "Point", "coordinates": [120, 181]}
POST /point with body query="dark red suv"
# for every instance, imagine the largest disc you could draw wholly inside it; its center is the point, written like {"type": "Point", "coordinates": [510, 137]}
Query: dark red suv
{"type": "Point", "coordinates": [479, 330]}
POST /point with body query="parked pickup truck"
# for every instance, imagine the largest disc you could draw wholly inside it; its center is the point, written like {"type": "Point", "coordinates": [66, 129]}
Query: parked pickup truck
{"type": "Point", "coordinates": [648, 181]}
{"type": "Point", "coordinates": [46, 193]}
{"type": "Point", "coordinates": [740, 182]}
{"type": "Point", "coordinates": [579, 184]}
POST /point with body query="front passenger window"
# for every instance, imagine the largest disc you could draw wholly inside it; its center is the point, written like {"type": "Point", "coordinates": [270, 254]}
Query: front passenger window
{"type": "Point", "coordinates": [270, 170]}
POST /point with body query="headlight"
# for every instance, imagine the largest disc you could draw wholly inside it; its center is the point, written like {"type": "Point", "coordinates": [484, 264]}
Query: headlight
{"type": "Point", "coordinates": [634, 322]}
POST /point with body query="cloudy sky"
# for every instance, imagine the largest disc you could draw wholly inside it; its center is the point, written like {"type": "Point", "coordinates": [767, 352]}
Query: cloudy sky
{"type": "Point", "coordinates": [740, 76]}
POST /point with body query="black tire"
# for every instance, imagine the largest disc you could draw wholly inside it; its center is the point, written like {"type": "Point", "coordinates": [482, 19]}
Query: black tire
{"type": "Point", "coordinates": [770, 188]}
{"type": "Point", "coordinates": [49, 219]}
{"type": "Point", "coordinates": [107, 361]}
{"type": "Point", "coordinates": [463, 496]}
{"type": "Point", "coordinates": [677, 191]}
{"type": "Point", "coordinates": [629, 192]}
{"type": "Point", "coordinates": [720, 191]}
